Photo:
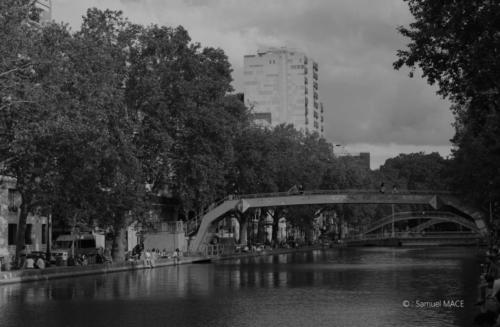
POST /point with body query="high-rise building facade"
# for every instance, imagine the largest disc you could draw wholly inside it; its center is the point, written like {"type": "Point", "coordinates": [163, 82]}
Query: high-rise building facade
{"type": "Point", "coordinates": [46, 13]}
{"type": "Point", "coordinates": [282, 86]}
{"type": "Point", "coordinates": [43, 14]}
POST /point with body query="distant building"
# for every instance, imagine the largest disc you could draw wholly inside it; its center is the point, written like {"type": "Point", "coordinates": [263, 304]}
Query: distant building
{"type": "Point", "coordinates": [37, 234]}
{"type": "Point", "coordinates": [42, 15]}
{"type": "Point", "coordinates": [361, 159]}
{"type": "Point", "coordinates": [282, 86]}
{"type": "Point", "coordinates": [46, 13]}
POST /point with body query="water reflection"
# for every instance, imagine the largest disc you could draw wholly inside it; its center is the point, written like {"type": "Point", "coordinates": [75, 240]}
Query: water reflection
{"type": "Point", "coordinates": [326, 288]}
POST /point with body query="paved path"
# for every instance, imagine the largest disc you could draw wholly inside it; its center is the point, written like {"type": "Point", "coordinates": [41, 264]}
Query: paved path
{"type": "Point", "coordinates": [29, 275]}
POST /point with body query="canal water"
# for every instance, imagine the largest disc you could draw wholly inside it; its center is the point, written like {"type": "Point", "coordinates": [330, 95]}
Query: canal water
{"type": "Point", "coordinates": [335, 287]}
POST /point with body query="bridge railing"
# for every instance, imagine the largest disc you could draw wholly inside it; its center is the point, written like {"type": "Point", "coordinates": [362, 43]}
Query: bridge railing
{"type": "Point", "coordinates": [341, 191]}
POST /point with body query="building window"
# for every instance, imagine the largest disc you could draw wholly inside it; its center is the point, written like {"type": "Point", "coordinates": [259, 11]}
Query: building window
{"type": "Point", "coordinates": [12, 200]}
{"type": "Point", "coordinates": [12, 233]}
{"type": "Point", "coordinates": [27, 234]}
{"type": "Point", "coordinates": [315, 85]}
{"type": "Point", "coordinates": [44, 233]}
{"type": "Point", "coordinates": [262, 116]}
{"type": "Point", "coordinates": [315, 66]}
{"type": "Point", "coordinates": [315, 76]}
{"type": "Point", "coordinates": [305, 80]}
{"type": "Point", "coordinates": [316, 105]}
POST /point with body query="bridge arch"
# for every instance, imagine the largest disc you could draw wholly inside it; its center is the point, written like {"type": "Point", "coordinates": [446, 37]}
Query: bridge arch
{"type": "Point", "coordinates": [432, 217]}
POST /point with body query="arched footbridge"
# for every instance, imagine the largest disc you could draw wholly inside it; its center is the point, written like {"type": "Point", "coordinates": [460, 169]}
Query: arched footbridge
{"type": "Point", "coordinates": [431, 218]}
{"type": "Point", "coordinates": [198, 227]}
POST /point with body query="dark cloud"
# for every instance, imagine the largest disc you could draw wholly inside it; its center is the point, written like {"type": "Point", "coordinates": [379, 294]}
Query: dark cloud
{"type": "Point", "coordinates": [354, 41]}
{"type": "Point", "coordinates": [366, 100]}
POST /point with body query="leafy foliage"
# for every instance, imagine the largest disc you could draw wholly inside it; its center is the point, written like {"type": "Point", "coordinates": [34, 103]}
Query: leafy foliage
{"type": "Point", "coordinates": [456, 44]}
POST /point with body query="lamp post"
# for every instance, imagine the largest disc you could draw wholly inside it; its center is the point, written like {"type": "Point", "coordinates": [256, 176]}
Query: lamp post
{"type": "Point", "coordinates": [392, 209]}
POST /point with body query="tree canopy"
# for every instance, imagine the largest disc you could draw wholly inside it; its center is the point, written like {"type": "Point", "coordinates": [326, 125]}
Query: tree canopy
{"type": "Point", "coordinates": [456, 45]}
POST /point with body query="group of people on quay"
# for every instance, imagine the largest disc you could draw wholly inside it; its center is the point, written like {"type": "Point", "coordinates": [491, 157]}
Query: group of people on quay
{"type": "Point", "coordinates": [38, 259]}
{"type": "Point", "coordinates": [150, 256]}
{"type": "Point", "coordinates": [489, 289]}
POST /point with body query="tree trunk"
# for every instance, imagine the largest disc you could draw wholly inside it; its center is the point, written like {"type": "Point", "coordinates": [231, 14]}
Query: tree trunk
{"type": "Point", "coordinates": [21, 230]}
{"type": "Point", "coordinates": [261, 229]}
{"type": "Point", "coordinates": [276, 218]}
{"type": "Point", "coordinates": [309, 234]}
{"type": "Point", "coordinates": [119, 244]}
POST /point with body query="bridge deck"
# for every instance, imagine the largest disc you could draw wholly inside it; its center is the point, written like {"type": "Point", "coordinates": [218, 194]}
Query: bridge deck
{"type": "Point", "coordinates": [322, 197]}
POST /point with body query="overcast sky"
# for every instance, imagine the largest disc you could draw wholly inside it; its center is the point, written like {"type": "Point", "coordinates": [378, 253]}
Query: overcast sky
{"type": "Point", "coordinates": [369, 106]}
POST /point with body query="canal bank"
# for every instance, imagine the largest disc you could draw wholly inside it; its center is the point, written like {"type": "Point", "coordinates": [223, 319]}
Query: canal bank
{"type": "Point", "coordinates": [32, 275]}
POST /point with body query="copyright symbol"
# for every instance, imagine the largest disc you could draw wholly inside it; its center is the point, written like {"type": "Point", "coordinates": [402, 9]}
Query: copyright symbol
{"type": "Point", "coordinates": [406, 303]}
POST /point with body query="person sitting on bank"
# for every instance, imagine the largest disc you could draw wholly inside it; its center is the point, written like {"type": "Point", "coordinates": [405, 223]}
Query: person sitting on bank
{"type": "Point", "coordinates": [29, 263]}
{"type": "Point", "coordinates": [40, 263]}
{"type": "Point", "coordinates": [176, 255]}
{"type": "Point", "coordinates": [147, 262]}
{"type": "Point", "coordinates": [154, 256]}
{"type": "Point", "coordinates": [84, 261]}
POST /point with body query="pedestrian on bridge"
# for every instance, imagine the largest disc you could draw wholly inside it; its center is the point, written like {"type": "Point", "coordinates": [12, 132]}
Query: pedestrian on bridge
{"type": "Point", "coordinates": [395, 189]}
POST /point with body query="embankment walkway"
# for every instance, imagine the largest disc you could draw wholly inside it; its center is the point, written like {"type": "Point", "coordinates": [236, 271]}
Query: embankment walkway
{"type": "Point", "coordinates": [30, 275]}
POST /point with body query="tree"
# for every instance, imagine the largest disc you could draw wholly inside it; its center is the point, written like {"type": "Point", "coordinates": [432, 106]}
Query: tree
{"type": "Point", "coordinates": [187, 123]}
{"type": "Point", "coordinates": [101, 62]}
{"type": "Point", "coordinates": [31, 63]}
{"type": "Point", "coordinates": [416, 171]}
{"type": "Point", "coordinates": [456, 44]}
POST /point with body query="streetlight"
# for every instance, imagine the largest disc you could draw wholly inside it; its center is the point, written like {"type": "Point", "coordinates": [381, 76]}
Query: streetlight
{"type": "Point", "coordinates": [392, 208]}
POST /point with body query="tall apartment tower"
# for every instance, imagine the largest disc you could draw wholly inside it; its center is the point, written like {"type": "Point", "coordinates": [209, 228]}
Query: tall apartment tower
{"type": "Point", "coordinates": [45, 14]}
{"type": "Point", "coordinates": [281, 86]}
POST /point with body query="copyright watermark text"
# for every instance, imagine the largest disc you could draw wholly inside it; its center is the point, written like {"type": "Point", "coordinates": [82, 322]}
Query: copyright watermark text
{"type": "Point", "coordinates": [435, 304]}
